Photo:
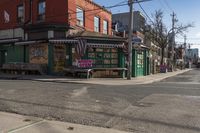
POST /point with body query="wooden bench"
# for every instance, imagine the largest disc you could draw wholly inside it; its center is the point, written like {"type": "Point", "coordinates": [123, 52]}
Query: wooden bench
{"type": "Point", "coordinates": [88, 72]}
{"type": "Point", "coordinates": [123, 70]}
{"type": "Point", "coordinates": [76, 71]}
{"type": "Point", "coordinates": [23, 68]}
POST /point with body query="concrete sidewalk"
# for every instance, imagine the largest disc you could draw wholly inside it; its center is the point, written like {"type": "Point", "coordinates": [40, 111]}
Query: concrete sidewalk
{"type": "Point", "coordinates": [98, 81]}
{"type": "Point", "coordinates": [13, 123]}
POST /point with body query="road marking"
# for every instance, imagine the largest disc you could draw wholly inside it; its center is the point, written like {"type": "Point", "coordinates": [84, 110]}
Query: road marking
{"type": "Point", "coordinates": [80, 92]}
{"type": "Point", "coordinates": [27, 126]}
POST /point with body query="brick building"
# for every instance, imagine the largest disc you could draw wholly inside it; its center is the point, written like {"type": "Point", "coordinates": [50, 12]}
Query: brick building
{"type": "Point", "coordinates": [47, 32]}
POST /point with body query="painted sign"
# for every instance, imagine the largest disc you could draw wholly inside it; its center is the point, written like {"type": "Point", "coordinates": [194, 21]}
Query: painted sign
{"type": "Point", "coordinates": [38, 54]}
{"type": "Point", "coordinates": [85, 63]}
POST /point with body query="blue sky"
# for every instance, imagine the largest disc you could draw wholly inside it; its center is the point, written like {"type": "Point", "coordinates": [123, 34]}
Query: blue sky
{"type": "Point", "coordinates": [187, 11]}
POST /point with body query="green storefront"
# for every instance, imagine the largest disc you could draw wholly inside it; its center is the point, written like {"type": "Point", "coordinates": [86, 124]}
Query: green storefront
{"type": "Point", "coordinates": [10, 53]}
{"type": "Point", "coordinates": [141, 65]}
{"type": "Point", "coordinates": [106, 55]}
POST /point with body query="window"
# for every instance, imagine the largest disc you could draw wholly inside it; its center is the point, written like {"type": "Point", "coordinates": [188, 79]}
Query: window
{"type": "Point", "coordinates": [103, 58]}
{"type": "Point", "coordinates": [96, 24]}
{"type": "Point", "coordinates": [105, 27]}
{"type": "Point", "coordinates": [80, 16]}
{"type": "Point", "coordinates": [41, 10]}
{"type": "Point", "coordinates": [20, 14]}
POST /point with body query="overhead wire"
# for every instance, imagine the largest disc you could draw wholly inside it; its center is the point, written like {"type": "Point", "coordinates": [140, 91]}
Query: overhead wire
{"type": "Point", "coordinates": [101, 8]}
{"type": "Point", "coordinates": [164, 7]}
{"type": "Point", "coordinates": [167, 4]}
{"type": "Point", "coordinates": [145, 13]}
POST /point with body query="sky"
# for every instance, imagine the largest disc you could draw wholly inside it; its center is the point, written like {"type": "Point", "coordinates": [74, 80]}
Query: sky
{"type": "Point", "coordinates": [187, 11]}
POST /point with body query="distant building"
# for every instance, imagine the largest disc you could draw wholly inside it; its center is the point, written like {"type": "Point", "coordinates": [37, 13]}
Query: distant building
{"type": "Point", "coordinates": [192, 54]}
{"type": "Point", "coordinates": [122, 21]}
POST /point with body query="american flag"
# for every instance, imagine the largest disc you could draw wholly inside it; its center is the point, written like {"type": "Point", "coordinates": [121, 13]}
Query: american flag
{"type": "Point", "coordinates": [81, 47]}
{"type": "Point", "coordinates": [6, 17]}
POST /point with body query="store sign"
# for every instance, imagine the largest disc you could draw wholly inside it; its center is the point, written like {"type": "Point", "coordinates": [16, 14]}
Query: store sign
{"type": "Point", "coordinates": [85, 63]}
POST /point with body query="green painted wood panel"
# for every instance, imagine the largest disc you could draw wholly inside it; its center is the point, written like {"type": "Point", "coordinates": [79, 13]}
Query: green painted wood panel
{"type": "Point", "coordinates": [13, 53]}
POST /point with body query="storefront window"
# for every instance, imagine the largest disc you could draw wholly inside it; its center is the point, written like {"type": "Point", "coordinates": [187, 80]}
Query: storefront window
{"type": "Point", "coordinates": [103, 58]}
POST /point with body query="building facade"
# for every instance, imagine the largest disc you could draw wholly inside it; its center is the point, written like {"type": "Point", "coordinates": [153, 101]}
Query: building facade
{"type": "Point", "coordinates": [122, 21]}
{"type": "Point", "coordinates": [141, 59]}
{"type": "Point", "coordinates": [47, 32]}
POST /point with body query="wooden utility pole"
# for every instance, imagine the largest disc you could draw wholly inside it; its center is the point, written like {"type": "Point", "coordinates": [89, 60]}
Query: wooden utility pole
{"type": "Point", "coordinates": [173, 39]}
{"type": "Point", "coordinates": [185, 48]}
{"type": "Point", "coordinates": [130, 36]}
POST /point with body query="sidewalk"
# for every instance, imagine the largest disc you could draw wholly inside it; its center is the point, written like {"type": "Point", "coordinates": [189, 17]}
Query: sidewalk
{"type": "Point", "coordinates": [98, 81]}
{"type": "Point", "coordinates": [13, 123]}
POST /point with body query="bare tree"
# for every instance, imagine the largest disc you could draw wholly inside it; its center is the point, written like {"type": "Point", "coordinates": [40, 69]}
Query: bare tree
{"type": "Point", "coordinates": [161, 34]}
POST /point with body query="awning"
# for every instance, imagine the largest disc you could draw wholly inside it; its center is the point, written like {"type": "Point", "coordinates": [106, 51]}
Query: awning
{"type": "Point", "coordinates": [8, 40]}
{"type": "Point", "coordinates": [64, 41]}
{"type": "Point", "coordinates": [28, 42]}
{"type": "Point", "coordinates": [100, 45]}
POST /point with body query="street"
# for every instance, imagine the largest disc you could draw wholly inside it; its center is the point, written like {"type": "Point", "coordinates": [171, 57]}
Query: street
{"type": "Point", "coordinates": [169, 106]}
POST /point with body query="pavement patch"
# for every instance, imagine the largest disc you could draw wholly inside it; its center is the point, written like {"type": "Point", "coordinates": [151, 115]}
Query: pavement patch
{"type": "Point", "coordinates": [168, 113]}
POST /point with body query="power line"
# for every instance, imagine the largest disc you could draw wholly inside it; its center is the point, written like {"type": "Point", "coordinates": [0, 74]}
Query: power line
{"type": "Point", "coordinates": [102, 8]}
{"type": "Point", "coordinates": [145, 13]}
{"type": "Point", "coordinates": [163, 5]}
{"type": "Point", "coordinates": [116, 5]}
{"type": "Point", "coordinates": [123, 3]}
{"type": "Point", "coordinates": [167, 4]}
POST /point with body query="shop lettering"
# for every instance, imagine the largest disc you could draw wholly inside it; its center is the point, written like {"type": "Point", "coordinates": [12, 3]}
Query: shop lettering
{"type": "Point", "coordinates": [84, 63]}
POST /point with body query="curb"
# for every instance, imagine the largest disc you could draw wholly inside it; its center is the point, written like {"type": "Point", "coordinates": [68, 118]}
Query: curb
{"type": "Point", "coordinates": [90, 83]}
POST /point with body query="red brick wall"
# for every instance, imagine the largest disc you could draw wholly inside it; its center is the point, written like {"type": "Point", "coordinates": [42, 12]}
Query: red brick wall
{"type": "Point", "coordinates": [89, 15]}
{"type": "Point", "coordinates": [10, 7]}
{"type": "Point", "coordinates": [56, 12]}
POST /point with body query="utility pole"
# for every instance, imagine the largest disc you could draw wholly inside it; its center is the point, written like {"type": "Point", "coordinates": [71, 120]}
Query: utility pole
{"type": "Point", "coordinates": [173, 41]}
{"type": "Point", "coordinates": [130, 34]}
{"type": "Point", "coordinates": [185, 48]}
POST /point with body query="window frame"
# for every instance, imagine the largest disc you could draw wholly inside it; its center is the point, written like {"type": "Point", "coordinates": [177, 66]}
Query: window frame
{"type": "Point", "coordinates": [20, 19]}
{"type": "Point", "coordinates": [99, 21]}
{"type": "Point", "coordinates": [41, 15]}
{"type": "Point", "coordinates": [79, 11]}
{"type": "Point", "coordinates": [105, 31]}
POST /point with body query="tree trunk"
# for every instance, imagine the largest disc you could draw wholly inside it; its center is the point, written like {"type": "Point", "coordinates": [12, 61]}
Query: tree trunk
{"type": "Point", "coordinates": [162, 55]}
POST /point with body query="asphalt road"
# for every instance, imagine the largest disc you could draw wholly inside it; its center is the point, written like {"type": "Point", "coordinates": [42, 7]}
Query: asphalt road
{"type": "Point", "coordinates": [169, 106]}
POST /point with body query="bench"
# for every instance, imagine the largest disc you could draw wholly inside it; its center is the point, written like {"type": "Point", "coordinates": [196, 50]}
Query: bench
{"type": "Point", "coordinates": [123, 70]}
{"type": "Point", "coordinates": [23, 68]}
{"type": "Point", "coordinates": [76, 71]}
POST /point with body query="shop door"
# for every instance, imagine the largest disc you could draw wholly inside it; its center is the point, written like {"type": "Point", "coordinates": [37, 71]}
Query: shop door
{"type": "Point", "coordinates": [140, 64]}
{"type": "Point", "coordinates": [2, 58]}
